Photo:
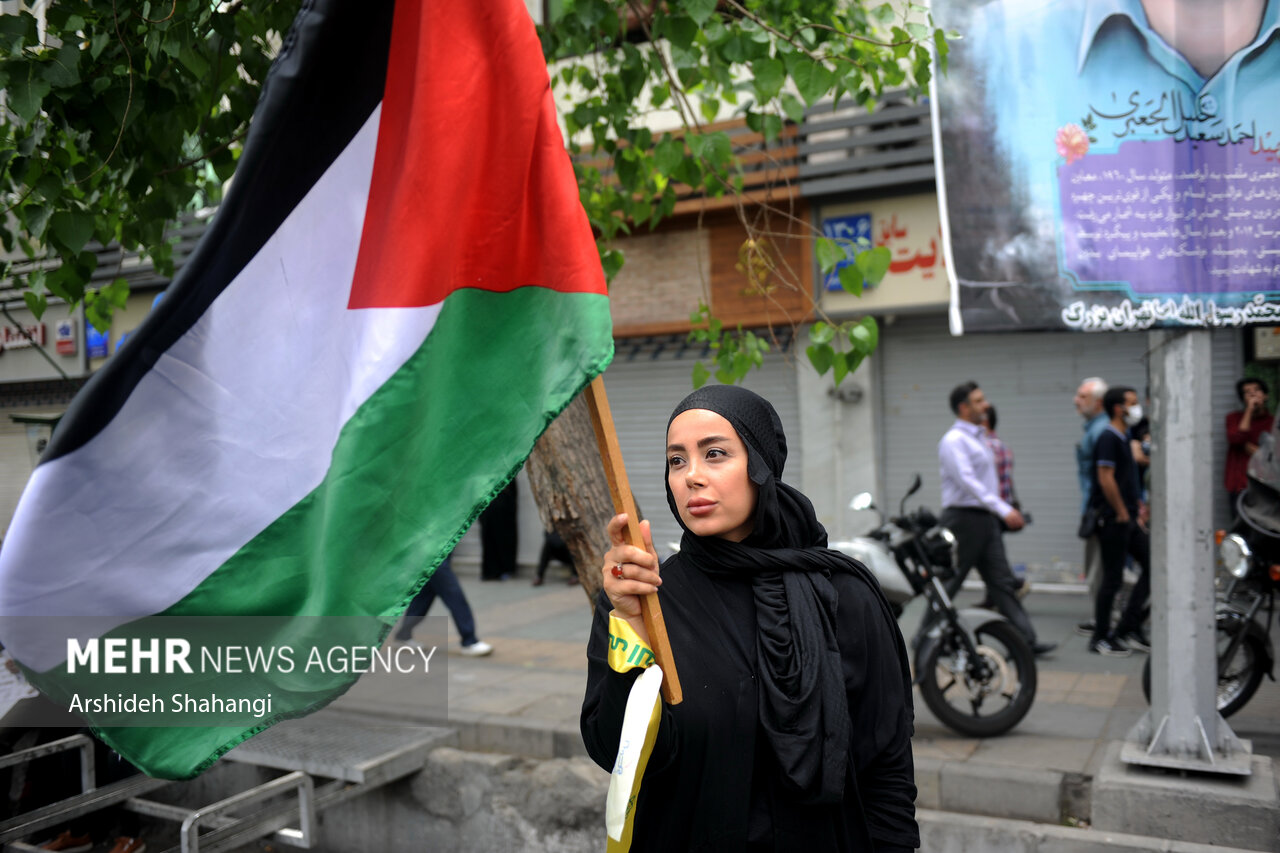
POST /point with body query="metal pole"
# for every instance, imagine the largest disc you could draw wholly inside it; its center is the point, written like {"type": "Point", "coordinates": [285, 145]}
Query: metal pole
{"type": "Point", "coordinates": [1183, 728]}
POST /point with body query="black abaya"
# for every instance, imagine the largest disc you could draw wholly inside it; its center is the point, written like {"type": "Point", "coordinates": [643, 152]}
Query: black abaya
{"type": "Point", "coordinates": [712, 783]}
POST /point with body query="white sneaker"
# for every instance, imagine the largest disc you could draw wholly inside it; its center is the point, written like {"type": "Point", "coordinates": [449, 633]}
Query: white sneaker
{"type": "Point", "coordinates": [478, 649]}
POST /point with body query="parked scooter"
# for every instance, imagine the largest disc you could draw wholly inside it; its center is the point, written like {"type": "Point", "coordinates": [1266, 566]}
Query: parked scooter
{"type": "Point", "coordinates": [1250, 554]}
{"type": "Point", "coordinates": [976, 671]}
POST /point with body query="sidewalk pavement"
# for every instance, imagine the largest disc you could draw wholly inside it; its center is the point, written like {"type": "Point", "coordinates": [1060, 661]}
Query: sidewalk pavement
{"type": "Point", "coordinates": [525, 699]}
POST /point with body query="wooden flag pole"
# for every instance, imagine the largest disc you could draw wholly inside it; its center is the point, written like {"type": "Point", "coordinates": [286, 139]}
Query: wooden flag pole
{"type": "Point", "coordinates": [620, 490]}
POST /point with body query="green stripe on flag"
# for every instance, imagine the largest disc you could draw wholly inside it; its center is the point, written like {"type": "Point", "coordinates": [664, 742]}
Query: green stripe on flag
{"type": "Point", "coordinates": [411, 471]}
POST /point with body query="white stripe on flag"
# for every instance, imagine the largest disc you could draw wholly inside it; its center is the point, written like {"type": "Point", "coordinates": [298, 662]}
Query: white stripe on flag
{"type": "Point", "coordinates": [233, 426]}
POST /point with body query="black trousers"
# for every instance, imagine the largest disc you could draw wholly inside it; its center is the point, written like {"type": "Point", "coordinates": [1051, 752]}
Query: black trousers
{"type": "Point", "coordinates": [554, 548]}
{"type": "Point", "coordinates": [980, 543]}
{"type": "Point", "coordinates": [1116, 542]}
{"type": "Point", "coordinates": [498, 536]}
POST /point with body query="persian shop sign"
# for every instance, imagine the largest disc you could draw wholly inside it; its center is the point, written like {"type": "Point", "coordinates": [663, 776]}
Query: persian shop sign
{"type": "Point", "coordinates": [910, 250]}
{"type": "Point", "coordinates": [14, 338]}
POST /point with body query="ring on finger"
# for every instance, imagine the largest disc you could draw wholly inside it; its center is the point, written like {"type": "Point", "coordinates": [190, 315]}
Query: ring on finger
{"type": "Point", "coordinates": [617, 570]}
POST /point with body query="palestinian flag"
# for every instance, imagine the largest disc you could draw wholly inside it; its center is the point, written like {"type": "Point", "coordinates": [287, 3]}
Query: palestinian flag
{"type": "Point", "coordinates": [400, 292]}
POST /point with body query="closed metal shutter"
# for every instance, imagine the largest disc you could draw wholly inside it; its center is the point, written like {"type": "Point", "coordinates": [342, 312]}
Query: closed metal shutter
{"type": "Point", "coordinates": [645, 382]}
{"type": "Point", "coordinates": [1031, 380]}
{"type": "Point", "coordinates": [1228, 366]}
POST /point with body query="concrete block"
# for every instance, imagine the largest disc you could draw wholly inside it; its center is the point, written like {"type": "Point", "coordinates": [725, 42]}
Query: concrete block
{"type": "Point", "coordinates": [1238, 811]}
{"type": "Point", "coordinates": [456, 784]}
{"type": "Point", "coordinates": [1077, 792]}
{"type": "Point", "coordinates": [928, 783]}
{"type": "Point", "coordinates": [998, 791]}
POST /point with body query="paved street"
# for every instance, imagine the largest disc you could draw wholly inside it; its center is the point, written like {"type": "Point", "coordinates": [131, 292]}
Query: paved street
{"type": "Point", "coordinates": [526, 696]}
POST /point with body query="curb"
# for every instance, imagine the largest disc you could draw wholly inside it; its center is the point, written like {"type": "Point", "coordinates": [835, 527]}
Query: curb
{"type": "Point", "coordinates": [947, 832]}
{"type": "Point", "coordinates": [1002, 791]}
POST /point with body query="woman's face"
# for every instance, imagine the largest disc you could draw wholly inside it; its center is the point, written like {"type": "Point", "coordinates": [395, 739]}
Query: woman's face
{"type": "Point", "coordinates": [707, 472]}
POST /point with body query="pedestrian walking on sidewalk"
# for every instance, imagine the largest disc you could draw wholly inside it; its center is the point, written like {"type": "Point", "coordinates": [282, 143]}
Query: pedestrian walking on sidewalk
{"type": "Point", "coordinates": [795, 729]}
{"type": "Point", "coordinates": [1008, 492]}
{"type": "Point", "coordinates": [1088, 403]}
{"type": "Point", "coordinates": [1116, 495]}
{"type": "Point", "coordinates": [444, 583]}
{"type": "Point", "coordinates": [974, 511]}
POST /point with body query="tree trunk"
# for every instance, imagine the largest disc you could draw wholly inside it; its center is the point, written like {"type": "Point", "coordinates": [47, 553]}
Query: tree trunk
{"type": "Point", "coordinates": [571, 492]}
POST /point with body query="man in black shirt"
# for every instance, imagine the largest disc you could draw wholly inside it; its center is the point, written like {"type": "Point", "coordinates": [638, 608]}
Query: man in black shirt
{"type": "Point", "coordinates": [1116, 494]}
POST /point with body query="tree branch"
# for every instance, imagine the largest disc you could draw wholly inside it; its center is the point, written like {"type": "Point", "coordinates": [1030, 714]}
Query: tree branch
{"type": "Point", "coordinates": [205, 156]}
{"type": "Point", "coordinates": [128, 104]}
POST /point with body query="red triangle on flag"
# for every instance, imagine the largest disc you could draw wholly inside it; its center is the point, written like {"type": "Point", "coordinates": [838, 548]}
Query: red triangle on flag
{"type": "Point", "coordinates": [472, 186]}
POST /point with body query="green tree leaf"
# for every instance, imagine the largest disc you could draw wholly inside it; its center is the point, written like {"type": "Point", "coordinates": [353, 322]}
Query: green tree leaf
{"type": "Point", "coordinates": [851, 279]}
{"type": "Point", "coordinates": [813, 80]}
{"type": "Point", "coordinates": [700, 374]}
{"type": "Point", "coordinates": [840, 367]}
{"type": "Point", "coordinates": [821, 356]}
{"type": "Point", "coordinates": [16, 30]}
{"type": "Point", "coordinates": [668, 154]}
{"type": "Point", "coordinates": [852, 360]}
{"type": "Point", "coordinates": [98, 43]}
{"type": "Point", "coordinates": [700, 10]}
{"type": "Point", "coordinates": [36, 303]}
{"type": "Point", "coordinates": [26, 95]}
{"type": "Point", "coordinates": [680, 30]}
{"type": "Point", "coordinates": [873, 332]}
{"type": "Point", "coordinates": [64, 68]}
{"type": "Point", "coordinates": [720, 149]}
{"type": "Point", "coordinates": [117, 293]}
{"type": "Point", "coordinates": [874, 263]}
{"type": "Point", "coordinates": [828, 254]}
{"type": "Point", "coordinates": [822, 333]}
{"type": "Point", "coordinates": [861, 340]}
{"type": "Point", "coordinates": [72, 228]}
{"type": "Point", "coordinates": [37, 218]}
{"type": "Point", "coordinates": [612, 261]}
{"type": "Point", "coordinates": [768, 77]}
{"type": "Point", "coordinates": [626, 165]}
{"type": "Point", "coordinates": [792, 106]}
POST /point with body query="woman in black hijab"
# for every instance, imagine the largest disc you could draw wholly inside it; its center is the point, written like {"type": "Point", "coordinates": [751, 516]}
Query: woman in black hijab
{"type": "Point", "coordinates": [795, 729]}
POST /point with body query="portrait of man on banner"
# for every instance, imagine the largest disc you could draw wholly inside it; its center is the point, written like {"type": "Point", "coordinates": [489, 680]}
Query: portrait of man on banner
{"type": "Point", "coordinates": [1111, 164]}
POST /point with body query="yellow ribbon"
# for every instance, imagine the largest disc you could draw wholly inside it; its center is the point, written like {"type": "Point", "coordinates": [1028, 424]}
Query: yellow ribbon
{"type": "Point", "coordinates": [639, 731]}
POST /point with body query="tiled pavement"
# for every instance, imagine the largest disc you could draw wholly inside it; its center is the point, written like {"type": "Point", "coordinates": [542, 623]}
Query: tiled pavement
{"type": "Point", "coordinates": [534, 681]}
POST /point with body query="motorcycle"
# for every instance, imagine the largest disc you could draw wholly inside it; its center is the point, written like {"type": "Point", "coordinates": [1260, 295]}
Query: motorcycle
{"type": "Point", "coordinates": [1250, 556]}
{"type": "Point", "coordinates": [975, 670]}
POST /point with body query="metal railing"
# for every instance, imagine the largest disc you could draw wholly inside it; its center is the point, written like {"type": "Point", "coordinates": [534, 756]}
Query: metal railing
{"type": "Point", "coordinates": [844, 150]}
{"type": "Point", "coordinates": [851, 150]}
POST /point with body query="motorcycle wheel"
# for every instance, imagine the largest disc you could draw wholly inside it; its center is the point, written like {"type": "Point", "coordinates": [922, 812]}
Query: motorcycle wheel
{"type": "Point", "coordinates": [981, 707]}
{"type": "Point", "coordinates": [1237, 685]}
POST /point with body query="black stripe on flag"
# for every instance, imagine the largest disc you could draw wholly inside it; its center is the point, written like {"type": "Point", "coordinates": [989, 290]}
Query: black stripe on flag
{"type": "Point", "coordinates": [327, 80]}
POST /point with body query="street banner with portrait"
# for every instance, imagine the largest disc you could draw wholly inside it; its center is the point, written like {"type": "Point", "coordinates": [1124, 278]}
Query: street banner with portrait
{"type": "Point", "coordinates": [1108, 165]}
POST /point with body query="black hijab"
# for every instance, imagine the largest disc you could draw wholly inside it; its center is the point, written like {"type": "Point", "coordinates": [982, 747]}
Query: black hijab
{"type": "Point", "coordinates": [803, 706]}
